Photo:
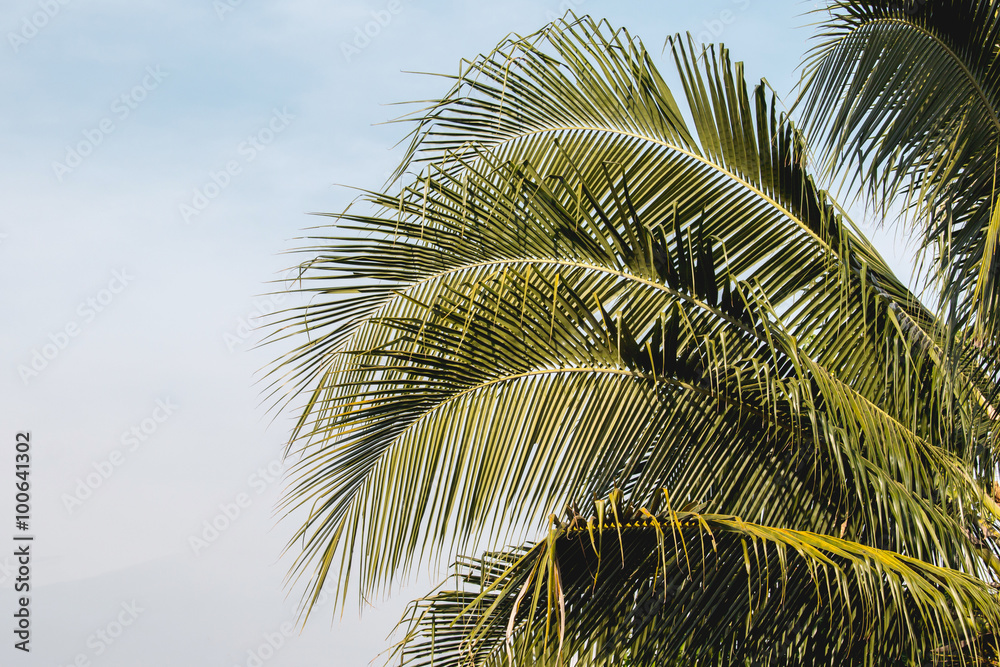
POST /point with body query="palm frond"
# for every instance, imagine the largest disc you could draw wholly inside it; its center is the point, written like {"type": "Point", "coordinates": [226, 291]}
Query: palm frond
{"type": "Point", "coordinates": [578, 293]}
{"type": "Point", "coordinates": [689, 588]}
{"type": "Point", "coordinates": [907, 96]}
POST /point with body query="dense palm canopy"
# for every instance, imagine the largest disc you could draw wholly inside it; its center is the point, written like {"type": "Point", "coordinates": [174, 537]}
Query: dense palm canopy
{"type": "Point", "coordinates": [908, 94]}
{"type": "Point", "coordinates": [634, 335]}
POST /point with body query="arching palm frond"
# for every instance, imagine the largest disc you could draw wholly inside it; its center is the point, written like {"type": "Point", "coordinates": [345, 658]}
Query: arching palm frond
{"type": "Point", "coordinates": [629, 586]}
{"type": "Point", "coordinates": [579, 293]}
{"type": "Point", "coordinates": [909, 93]}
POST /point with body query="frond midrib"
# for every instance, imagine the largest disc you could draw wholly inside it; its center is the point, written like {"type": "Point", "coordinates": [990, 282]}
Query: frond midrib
{"type": "Point", "coordinates": [984, 98]}
{"type": "Point", "coordinates": [683, 151]}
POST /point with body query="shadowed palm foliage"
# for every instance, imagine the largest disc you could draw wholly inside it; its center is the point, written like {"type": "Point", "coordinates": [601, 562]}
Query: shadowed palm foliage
{"type": "Point", "coordinates": [908, 93]}
{"type": "Point", "coordinates": [756, 594]}
{"type": "Point", "coordinates": [584, 299]}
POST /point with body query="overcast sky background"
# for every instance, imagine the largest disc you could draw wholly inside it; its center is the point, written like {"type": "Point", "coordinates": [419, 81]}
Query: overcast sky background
{"type": "Point", "coordinates": [162, 95]}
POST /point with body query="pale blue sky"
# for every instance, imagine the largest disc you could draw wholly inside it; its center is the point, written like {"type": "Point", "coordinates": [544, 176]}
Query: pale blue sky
{"type": "Point", "coordinates": [162, 96]}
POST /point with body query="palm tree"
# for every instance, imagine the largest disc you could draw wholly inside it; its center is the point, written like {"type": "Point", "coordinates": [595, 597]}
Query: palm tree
{"type": "Point", "coordinates": [636, 338]}
{"type": "Point", "coordinates": [906, 97]}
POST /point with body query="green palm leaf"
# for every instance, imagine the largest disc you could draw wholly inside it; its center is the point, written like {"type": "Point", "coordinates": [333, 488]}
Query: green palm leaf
{"type": "Point", "coordinates": [685, 588]}
{"type": "Point", "coordinates": [908, 94]}
{"type": "Point", "coordinates": [578, 293]}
